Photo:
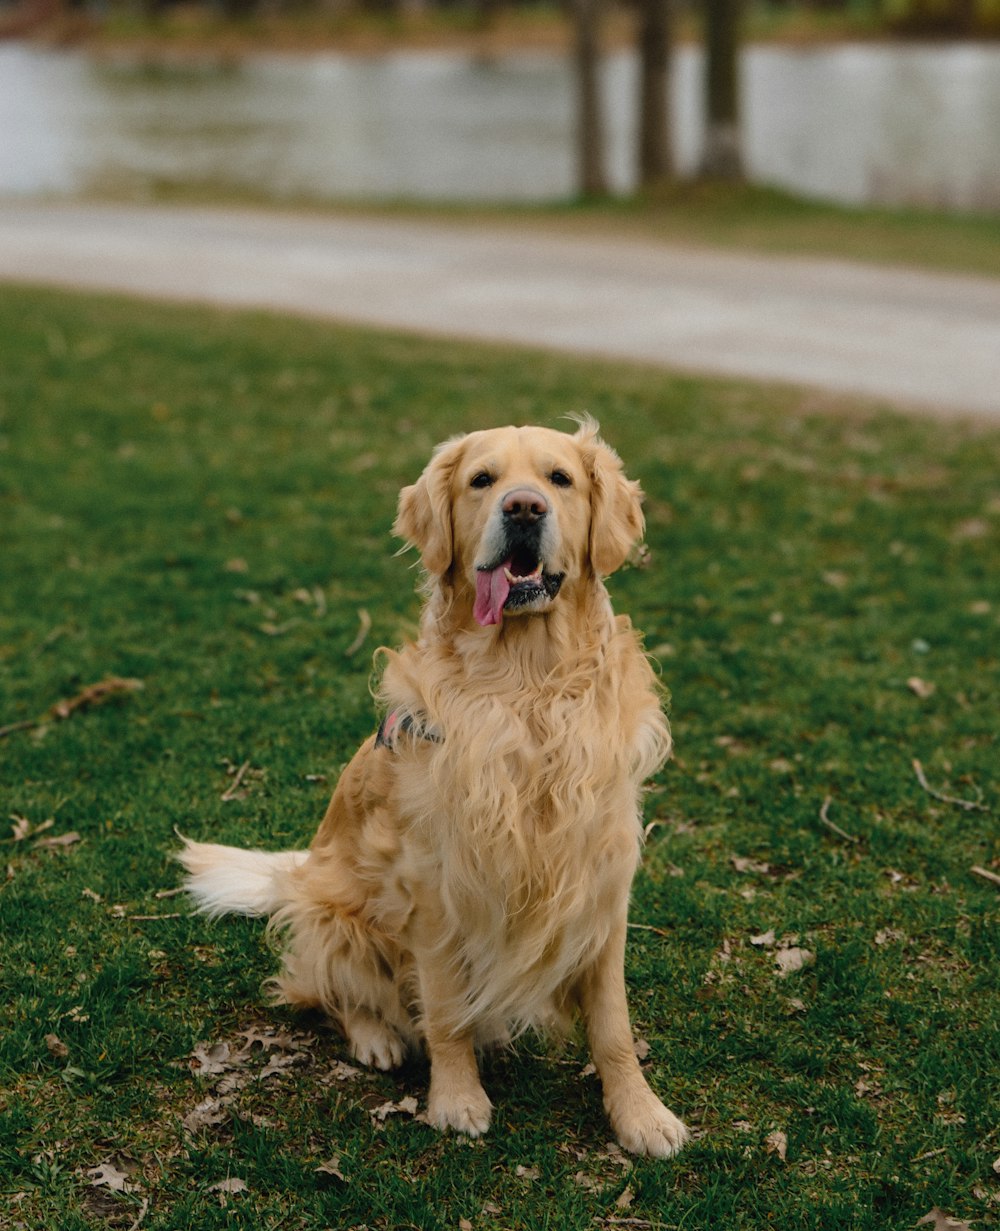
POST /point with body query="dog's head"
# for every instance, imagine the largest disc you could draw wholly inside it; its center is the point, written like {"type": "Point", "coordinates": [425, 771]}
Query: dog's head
{"type": "Point", "coordinates": [519, 512]}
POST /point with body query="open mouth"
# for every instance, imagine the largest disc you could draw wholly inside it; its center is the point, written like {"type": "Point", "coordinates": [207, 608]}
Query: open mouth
{"type": "Point", "coordinates": [518, 582]}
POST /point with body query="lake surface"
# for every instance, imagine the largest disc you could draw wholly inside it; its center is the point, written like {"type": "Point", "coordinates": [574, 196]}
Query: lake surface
{"type": "Point", "coordinates": [850, 123]}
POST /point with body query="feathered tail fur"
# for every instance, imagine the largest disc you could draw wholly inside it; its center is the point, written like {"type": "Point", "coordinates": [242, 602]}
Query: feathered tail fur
{"type": "Point", "coordinates": [225, 880]}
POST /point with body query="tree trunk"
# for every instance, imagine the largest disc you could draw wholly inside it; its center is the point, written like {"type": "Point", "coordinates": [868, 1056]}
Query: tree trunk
{"type": "Point", "coordinates": [591, 178]}
{"type": "Point", "coordinates": [656, 162]}
{"type": "Point", "coordinates": [722, 157]}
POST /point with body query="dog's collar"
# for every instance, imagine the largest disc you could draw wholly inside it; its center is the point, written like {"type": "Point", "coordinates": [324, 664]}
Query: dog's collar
{"type": "Point", "coordinates": [401, 722]}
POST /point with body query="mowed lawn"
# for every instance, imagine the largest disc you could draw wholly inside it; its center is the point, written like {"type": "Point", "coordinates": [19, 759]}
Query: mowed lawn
{"type": "Point", "coordinates": [196, 506]}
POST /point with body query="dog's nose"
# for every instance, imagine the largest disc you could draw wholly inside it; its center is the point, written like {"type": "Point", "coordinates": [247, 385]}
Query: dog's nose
{"type": "Point", "coordinates": [524, 504]}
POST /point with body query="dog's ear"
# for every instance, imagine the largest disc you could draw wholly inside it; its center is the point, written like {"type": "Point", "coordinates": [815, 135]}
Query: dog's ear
{"type": "Point", "coordinates": [616, 521]}
{"type": "Point", "coordinates": [424, 514]}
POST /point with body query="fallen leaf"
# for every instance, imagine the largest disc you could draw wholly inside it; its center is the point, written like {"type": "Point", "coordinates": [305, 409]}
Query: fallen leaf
{"type": "Point", "coordinates": [21, 828]}
{"type": "Point", "coordinates": [527, 1173]}
{"type": "Point", "coordinates": [228, 1187]}
{"type": "Point", "coordinates": [91, 895]}
{"type": "Point", "coordinates": [278, 1064]}
{"type": "Point", "coordinates": [332, 1167]}
{"type": "Point", "coordinates": [107, 1175]}
{"type": "Point", "coordinates": [281, 1040]}
{"type": "Point", "coordinates": [405, 1106]}
{"type": "Point", "coordinates": [213, 1059]}
{"type": "Point", "coordinates": [207, 1114]}
{"type": "Point", "coordinates": [776, 1143]}
{"type": "Point", "coordinates": [749, 865]}
{"type": "Point", "coordinates": [63, 839]}
{"type": "Point", "coordinates": [56, 1046]}
{"type": "Point", "coordinates": [624, 1198]}
{"type": "Point", "coordinates": [920, 688]}
{"type": "Point", "coordinates": [765, 940]}
{"type": "Point", "coordinates": [938, 1220]}
{"type": "Point", "coordinates": [789, 961]}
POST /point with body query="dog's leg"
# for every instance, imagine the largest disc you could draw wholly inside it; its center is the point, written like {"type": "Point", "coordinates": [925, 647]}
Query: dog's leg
{"type": "Point", "coordinates": [641, 1122]}
{"type": "Point", "coordinates": [457, 1098]}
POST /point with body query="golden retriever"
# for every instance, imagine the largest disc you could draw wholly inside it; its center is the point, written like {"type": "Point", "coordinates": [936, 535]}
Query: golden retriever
{"type": "Point", "coordinates": [471, 876]}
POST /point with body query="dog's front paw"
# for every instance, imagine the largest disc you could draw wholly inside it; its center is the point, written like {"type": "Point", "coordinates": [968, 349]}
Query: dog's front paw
{"type": "Point", "coordinates": [645, 1126]}
{"type": "Point", "coordinates": [467, 1111]}
{"type": "Point", "coordinates": [373, 1041]}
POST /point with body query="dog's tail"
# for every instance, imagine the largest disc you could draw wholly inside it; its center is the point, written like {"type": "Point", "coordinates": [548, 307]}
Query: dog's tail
{"type": "Point", "coordinates": [225, 880]}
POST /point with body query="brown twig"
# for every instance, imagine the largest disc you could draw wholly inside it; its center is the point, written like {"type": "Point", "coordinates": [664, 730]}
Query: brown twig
{"type": "Point", "coordinates": [970, 805]}
{"type": "Point", "coordinates": [94, 694]}
{"type": "Point", "coordinates": [824, 818]}
{"type": "Point", "coordinates": [231, 792]}
{"type": "Point", "coordinates": [648, 927]}
{"type": "Point", "coordinates": [986, 874]}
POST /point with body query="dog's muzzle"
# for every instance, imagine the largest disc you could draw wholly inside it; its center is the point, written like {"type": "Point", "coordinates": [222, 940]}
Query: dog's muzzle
{"type": "Point", "coordinates": [514, 577]}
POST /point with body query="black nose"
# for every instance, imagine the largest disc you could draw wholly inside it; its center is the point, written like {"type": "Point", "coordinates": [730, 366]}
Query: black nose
{"type": "Point", "coordinates": [524, 504]}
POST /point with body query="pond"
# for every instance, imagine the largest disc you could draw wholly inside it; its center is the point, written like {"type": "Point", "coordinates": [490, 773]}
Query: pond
{"type": "Point", "coordinates": [852, 123]}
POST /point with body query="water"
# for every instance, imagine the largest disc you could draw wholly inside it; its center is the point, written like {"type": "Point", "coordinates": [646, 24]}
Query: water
{"type": "Point", "coordinates": [850, 123]}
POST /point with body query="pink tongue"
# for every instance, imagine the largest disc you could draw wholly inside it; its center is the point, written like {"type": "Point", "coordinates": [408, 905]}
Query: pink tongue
{"type": "Point", "coordinates": [492, 589]}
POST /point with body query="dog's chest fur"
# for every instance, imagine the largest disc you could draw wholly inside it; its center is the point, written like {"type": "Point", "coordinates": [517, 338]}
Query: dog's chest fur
{"type": "Point", "coordinates": [520, 832]}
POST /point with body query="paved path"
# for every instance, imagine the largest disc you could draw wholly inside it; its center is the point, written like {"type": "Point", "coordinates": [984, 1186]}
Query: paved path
{"type": "Point", "coordinates": [925, 341]}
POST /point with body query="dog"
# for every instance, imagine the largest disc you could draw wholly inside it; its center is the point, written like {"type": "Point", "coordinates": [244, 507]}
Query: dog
{"type": "Point", "coordinates": [470, 879]}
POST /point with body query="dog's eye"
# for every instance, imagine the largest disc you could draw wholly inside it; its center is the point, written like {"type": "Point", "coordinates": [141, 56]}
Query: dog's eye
{"type": "Point", "coordinates": [559, 478]}
{"type": "Point", "coordinates": [482, 479]}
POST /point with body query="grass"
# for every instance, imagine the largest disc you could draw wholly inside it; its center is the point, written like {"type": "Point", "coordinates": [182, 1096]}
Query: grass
{"type": "Point", "coordinates": [202, 501]}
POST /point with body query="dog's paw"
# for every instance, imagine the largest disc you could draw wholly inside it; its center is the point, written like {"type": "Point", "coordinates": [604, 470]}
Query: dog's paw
{"type": "Point", "coordinates": [466, 1111]}
{"type": "Point", "coordinates": [373, 1042]}
{"type": "Point", "coordinates": [647, 1127]}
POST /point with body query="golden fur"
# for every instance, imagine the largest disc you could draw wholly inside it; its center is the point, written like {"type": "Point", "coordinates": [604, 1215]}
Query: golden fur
{"type": "Point", "coordinates": [471, 879]}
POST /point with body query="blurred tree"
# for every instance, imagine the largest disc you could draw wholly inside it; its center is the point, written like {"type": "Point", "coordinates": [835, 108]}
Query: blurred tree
{"type": "Point", "coordinates": [591, 177]}
{"type": "Point", "coordinates": [722, 157]}
{"type": "Point", "coordinates": [656, 163]}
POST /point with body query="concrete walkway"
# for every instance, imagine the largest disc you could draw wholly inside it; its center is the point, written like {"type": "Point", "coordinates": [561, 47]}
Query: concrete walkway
{"type": "Point", "coordinates": [916, 340]}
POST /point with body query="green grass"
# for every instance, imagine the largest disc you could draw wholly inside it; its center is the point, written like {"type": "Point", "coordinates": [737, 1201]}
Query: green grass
{"type": "Point", "coordinates": [202, 501]}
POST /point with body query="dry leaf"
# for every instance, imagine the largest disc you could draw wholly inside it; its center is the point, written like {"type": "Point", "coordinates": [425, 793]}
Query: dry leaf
{"type": "Point", "coordinates": [91, 895]}
{"type": "Point", "coordinates": [332, 1167]}
{"type": "Point", "coordinates": [63, 839]}
{"type": "Point", "coordinates": [765, 940]}
{"type": "Point", "coordinates": [938, 1220]}
{"type": "Point", "coordinates": [749, 865]}
{"type": "Point", "coordinates": [207, 1114]}
{"type": "Point", "coordinates": [56, 1046]}
{"type": "Point", "coordinates": [625, 1198]}
{"type": "Point", "coordinates": [22, 827]}
{"type": "Point", "coordinates": [405, 1106]}
{"type": "Point", "coordinates": [526, 1173]}
{"type": "Point", "coordinates": [920, 688]}
{"type": "Point", "coordinates": [776, 1143]}
{"type": "Point", "coordinates": [789, 961]}
{"type": "Point", "coordinates": [278, 1064]}
{"type": "Point", "coordinates": [214, 1059]}
{"type": "Point", "coordinates": [228, 1187]}
{"type": "Point", "coordinates": [107, 1175]}
{"type": "Point", "coordinates": [464, 1225]}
